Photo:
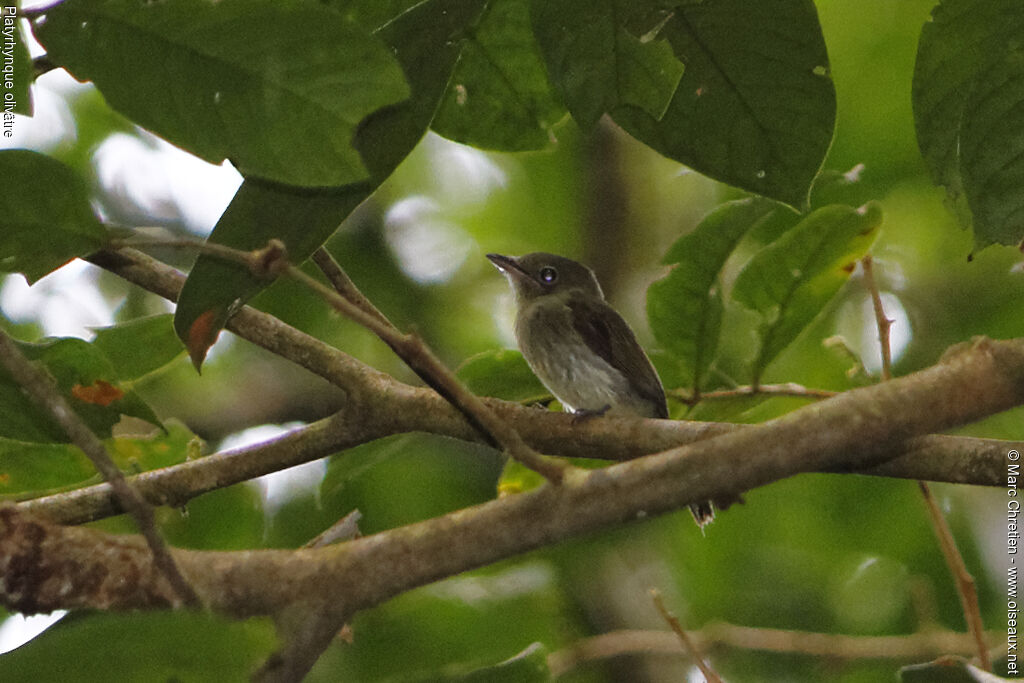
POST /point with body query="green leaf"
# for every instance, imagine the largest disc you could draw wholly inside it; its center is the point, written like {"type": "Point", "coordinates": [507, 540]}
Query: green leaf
{"type": "Point", "coordinates": [968, 93]}
{"type": "Point", "coordinates": [152, 646]}
{"type": "Point", "coordinates": [597, 65]}
{"type": "Point", "coordinates": [302, 219]}
{"type": "Point", "coordinates": [87, 380]}
{"type": "Point", "coordinates": [45, 216]}
{"type": "Point", "coordinates": [17, 95]}
{"type": "Point", "coordinates": [422, 40]}
{"type": "Point", "coordinates": [992, 151]}
{"type": "Point", "coordinates": [755, 107]}
{"type": "Point", "coordinates": [685, 307]}
{"type": "Point", "coordinates": [276, 86]}
{"type": "Point", "coordinates": [139, 347]}
{"type": "Point", "coordinates": [502, 374]}
{"type": "Point", "coordinates": [791, 280]}
{"type": "Point", "coordinates": [499, 96]}
{"type": "Point", "coordinates": [36, 468]}
{"type": "Point", "coordinates": [27, 467]}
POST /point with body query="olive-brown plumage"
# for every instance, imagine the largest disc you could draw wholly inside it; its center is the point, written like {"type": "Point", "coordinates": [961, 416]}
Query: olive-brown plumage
{"type": "Point", "coordinates": [579, 347]}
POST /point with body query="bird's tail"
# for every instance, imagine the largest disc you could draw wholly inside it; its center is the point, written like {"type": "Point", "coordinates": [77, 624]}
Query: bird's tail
{"type": "Point", "coordinates": [703, 513]}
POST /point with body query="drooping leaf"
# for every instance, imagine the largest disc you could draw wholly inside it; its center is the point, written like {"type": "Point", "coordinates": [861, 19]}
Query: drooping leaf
{"type": "Point", "coordinates": [88, 381]}
{"type": "Point", "coordinates": [424, 42]}
{"type": "Point", "coordinates": [597, 65]}
{"type": "Point", "coordinates": [499, 96]}
{"type": "Point", "coordinates": [139, 347]}
{"type": "Point", "coordinates": [45, 216]}
{"type": "Point", "coordinates": [277, 87]}
{"type": "Point", "coordinates": [967, 98]}
{"type": "Point", "coordinates": [685, 307]}
{"type": "Point", "coordinates": [15, 84]}
{"type": "Point", "coordinates": [791, 280]}
{"type": "Point", "coordinates": [502, 374]}
{"type": "Point", "coordinates": [755, 107]}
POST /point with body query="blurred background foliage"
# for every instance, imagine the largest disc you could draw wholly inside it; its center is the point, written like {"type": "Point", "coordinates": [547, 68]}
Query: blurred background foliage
{"type": "Point", "coordinates": [834, 554]}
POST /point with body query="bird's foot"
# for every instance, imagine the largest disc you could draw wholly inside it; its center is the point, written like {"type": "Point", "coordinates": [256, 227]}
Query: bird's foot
{"type": "Point", "coordinates": [585, 414]}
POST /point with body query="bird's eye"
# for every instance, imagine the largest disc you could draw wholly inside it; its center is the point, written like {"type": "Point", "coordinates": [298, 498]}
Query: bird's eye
{"type": "Point", "coordinates": [548, 275]}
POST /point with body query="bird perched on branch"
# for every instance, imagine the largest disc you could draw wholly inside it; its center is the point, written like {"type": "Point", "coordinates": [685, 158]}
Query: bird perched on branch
{"type": "Point", "coordinates": [580, 347]}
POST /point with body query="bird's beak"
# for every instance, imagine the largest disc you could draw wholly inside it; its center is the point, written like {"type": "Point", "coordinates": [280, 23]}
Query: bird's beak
{"type": "Point", "coordinates": [509, 266]}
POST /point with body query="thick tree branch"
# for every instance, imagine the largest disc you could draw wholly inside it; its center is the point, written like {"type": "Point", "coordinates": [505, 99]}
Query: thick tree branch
{"type": "Point", "coordinates": [852, 430]}
{"type": "Point", "coordinates": [381, 406]}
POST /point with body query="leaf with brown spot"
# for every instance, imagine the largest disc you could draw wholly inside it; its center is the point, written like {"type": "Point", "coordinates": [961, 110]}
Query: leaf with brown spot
{"type": "Point", "coordinates": [100, 393]}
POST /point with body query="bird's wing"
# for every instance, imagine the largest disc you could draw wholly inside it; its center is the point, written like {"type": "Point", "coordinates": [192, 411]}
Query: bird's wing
{"type": "Point", "coordinates": [601, 327]}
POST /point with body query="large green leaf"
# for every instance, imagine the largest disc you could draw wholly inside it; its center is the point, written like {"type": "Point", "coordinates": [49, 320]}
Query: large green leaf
{"type": "Point", "coordinates": [499, 96]}
{"type": "Point", "coordinates": [968, 97]}
{"type": "Point", "coordinates": [755, 107]}
{"type": "Point", "coordinates": [685, 307]}
{"type": "Point", "coordinates": [597, 65]}
{"type": "Point", "coordinates": [791, 280]}
{"type": "Point", "coordinates": [17, 95]}
{"type": "Point", "coordinates": [45, 217]}
{"type": "Point", "coordinates": [992, 151]}
{"type": "Point", "coordinates": [972, 49]}
{"type": "Point", "coordinates": [424, 42]}
{"type": "Point", "coordinates": [88, 381]}
{"type": "Point", "coordinates": [276, 86]}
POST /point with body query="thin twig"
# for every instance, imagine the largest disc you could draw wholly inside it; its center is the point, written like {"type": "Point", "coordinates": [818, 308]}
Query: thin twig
{"type": "Point", "coordinates": [913, 646]}
{"type": "Point", "coordinates": [963, 580]}
{"type": "Point", "coordinates": [787, 389]}
{"type": "Point", "coordinates": [709, 674]}
{"type": "Point", "coordinates": [884, 323]}
{"type": "Point", "coordinates": [345, 529]}
{"type": "Point", "coordinates": [965, 587]}
{"type": "Point", "coordinates": [44, 391]}
{"type": "Point", "coordinates": [344, 285]}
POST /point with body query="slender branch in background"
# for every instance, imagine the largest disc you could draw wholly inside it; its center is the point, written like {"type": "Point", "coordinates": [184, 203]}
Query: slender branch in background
{"type": "Point", "coordinates": [965, 587]}
{"type": "Point", "coordinates": [963, 580]}
{"type": "Point", "coordinates": [688, 645]}
{"type": "Point", "coordinates": [884, 322]}
{"type": "Point", "coordinates": [41, 388]}
{"type": "Point", "coordinates": [787, 389]}
{"type": "Point", "coordinates": [428, 367]}
{"type": "Point", "coordinates": [911, 647]}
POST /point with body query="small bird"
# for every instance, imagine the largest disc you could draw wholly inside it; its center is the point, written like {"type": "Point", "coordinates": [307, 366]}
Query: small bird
{"type": "Point", "coordinates": [580, 347]}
